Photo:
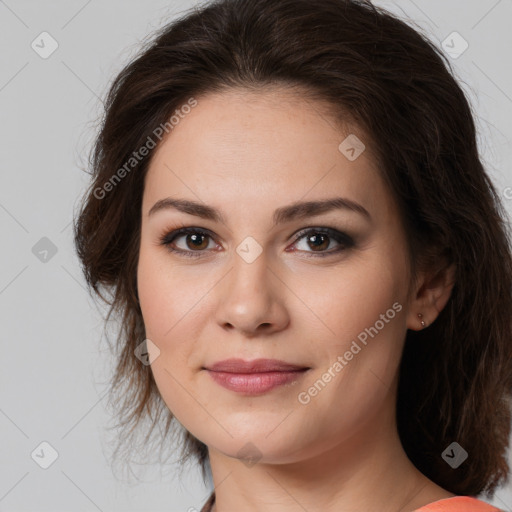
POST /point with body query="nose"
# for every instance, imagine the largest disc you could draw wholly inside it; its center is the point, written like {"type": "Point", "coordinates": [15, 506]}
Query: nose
{"type": "Point", "coordinates": [251, 299]}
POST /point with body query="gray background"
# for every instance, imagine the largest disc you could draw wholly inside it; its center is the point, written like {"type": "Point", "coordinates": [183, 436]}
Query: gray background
{"type": "Point", "coordinates": [55, 364]}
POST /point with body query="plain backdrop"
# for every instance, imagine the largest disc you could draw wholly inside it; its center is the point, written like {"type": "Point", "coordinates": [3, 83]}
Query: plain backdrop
{"type": "Point", "coordinates": [54, 365]}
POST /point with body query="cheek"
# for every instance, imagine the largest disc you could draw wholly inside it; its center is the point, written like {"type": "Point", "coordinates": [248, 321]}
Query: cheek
{"type": "Point", "coordinates": [161, 297]}
{"type": "Point", "coordinates": [152, 297]}
{"type": "Point", "coordinates": [366, 311]}
{"type": "Point", "coordinates": [352, 297]}
{"type": "Point", "coordinates": [367, 315]}
{"type": "Point", "coordinates": [171, 308]}
{"type": "Point", "coordinates": [162, 308]}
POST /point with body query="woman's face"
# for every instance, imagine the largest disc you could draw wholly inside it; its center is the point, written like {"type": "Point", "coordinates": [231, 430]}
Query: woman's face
{"type": "Point", "coordinates": [321, 288]}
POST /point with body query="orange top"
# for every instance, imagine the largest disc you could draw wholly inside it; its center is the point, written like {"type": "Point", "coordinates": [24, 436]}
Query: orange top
{"type": "Point", "coordinates": [458, 504]}
{"type": "Point", "coordinates": [453, 504]}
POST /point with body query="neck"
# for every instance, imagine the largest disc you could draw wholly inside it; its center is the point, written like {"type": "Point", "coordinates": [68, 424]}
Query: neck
{"type": "Point", "coordinates": [367, 471]}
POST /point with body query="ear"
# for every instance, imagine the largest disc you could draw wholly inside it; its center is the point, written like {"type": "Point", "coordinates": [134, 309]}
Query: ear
{"type": "Point", "coordinates": [430, 297]}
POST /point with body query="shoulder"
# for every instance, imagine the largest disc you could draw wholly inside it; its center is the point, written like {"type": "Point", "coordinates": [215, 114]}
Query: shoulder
{"type": "Point", "coordinates": [458, 504]}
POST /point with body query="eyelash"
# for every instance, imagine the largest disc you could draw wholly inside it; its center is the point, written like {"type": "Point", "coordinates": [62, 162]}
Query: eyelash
{"type": "Point", "coordinates": [347, 242]}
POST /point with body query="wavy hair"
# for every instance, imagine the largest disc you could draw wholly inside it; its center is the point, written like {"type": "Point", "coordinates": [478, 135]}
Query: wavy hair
{"type": "Point", "coordinates": [395, 85]}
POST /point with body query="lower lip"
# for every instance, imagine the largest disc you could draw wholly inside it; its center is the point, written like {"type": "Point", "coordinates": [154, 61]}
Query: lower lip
{"type": "Point", "coordinates": [255, 383]}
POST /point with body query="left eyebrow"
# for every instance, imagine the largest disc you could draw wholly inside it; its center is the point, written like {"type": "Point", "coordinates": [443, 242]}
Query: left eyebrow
{"type": "Point", "coordinates": [298, 210]}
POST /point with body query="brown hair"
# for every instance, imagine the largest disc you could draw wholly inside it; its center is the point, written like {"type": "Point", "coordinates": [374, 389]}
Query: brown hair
{"type": "Point", "coordinates": [388, 79]}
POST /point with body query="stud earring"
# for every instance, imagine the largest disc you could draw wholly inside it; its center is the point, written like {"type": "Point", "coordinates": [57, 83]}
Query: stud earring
{"type": "Point", "coordinates": [420, 316]}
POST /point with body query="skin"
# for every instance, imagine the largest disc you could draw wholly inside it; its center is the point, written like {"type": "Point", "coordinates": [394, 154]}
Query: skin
{"type": "Point", "coordinates": [248, 153]}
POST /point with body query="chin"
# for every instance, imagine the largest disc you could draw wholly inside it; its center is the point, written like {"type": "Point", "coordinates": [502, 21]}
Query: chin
{"type": "Point", "coordinates": [257, 444]}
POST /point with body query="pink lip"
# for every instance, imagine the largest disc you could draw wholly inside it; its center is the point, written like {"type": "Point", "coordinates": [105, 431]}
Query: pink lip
{"type": "Point", "coordinates": [254, 366]}
{"type": "Point", "coordinates": [254, 377]}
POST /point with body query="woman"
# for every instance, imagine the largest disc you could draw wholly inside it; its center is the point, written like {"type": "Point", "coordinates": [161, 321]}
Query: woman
{"type": "Point", "coordinates": [311, 265]}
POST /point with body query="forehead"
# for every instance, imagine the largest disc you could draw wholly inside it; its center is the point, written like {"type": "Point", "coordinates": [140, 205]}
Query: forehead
{"type": "Point", "coordinates": [254, 147]}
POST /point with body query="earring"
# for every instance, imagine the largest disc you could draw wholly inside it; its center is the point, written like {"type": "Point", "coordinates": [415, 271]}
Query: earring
{"type": "Point", "coordinates": [421, 318]}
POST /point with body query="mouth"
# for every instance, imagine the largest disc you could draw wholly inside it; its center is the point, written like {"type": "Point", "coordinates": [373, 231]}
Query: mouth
{"type": "Point", "coordinates": [255, 377]}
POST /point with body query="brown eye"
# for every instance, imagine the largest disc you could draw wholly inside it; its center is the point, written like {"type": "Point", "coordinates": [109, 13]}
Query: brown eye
{"type": "Point", "coordinates": [318, 240]}
{"type": "Point", "coordinates": [195, 241]}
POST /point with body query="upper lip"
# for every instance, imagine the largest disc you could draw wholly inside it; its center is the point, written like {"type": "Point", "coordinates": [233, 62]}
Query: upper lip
{"type": "Point", "coordinates": [254, 366]}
